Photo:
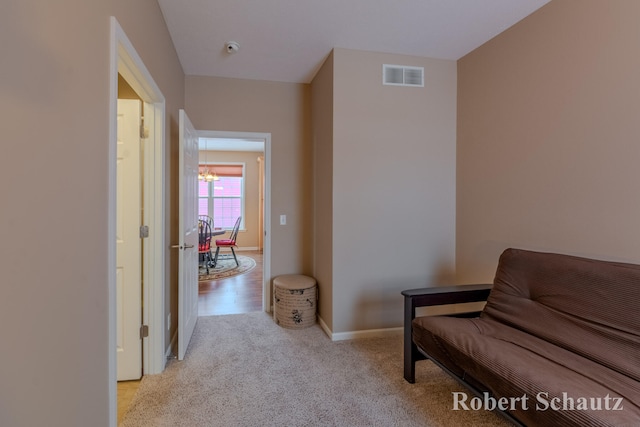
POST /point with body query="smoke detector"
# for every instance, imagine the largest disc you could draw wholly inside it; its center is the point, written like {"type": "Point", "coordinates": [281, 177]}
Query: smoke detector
{"type": "Point", "coordinates": [232, 47]}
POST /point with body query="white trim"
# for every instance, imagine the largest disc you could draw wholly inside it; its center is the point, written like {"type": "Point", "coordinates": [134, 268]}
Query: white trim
{"type": "Point", "coordinates": [232, 134]}
{"type": "Point", "coordinates": [125, 61]}
{"type": "Point", "coordinates": [367, 333]}
{"type": "Point", "coordinates": [111, 227]}
{"type": "Point", "coordinates": [324, 326]}
{"type": "Point", "coordinates": [154, 245]}
{"type": "Point", "coordinates": [266, 265]}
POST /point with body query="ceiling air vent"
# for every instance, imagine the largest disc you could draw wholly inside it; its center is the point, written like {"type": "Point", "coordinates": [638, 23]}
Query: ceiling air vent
{"type": "Point", "coordinates": [401, 75]}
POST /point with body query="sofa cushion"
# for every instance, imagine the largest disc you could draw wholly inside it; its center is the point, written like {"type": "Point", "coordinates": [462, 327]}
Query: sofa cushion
{"type": "Point", "coordinates": [509, 362]}
{"type": "Point", "coordinates": [588, 307]}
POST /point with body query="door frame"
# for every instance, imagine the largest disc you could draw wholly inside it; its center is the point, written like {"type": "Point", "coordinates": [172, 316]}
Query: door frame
{"type": "Point", "coordinates": [266, 260]}
{"type": "Point", "coordinates": [124, 60]}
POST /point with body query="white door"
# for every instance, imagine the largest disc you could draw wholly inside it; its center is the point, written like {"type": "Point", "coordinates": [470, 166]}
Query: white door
{"type": "Point", "coordinates": [128, 243]}
{"type": "Point", "coordinates": [188, 260]}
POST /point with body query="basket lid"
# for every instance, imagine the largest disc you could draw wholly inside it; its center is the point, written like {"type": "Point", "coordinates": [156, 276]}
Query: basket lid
{"type": "Point", "coordinates": [294, 281]}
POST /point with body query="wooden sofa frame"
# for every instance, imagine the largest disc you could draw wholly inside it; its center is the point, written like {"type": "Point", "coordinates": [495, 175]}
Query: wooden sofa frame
{"type": "Point", "coordinates": [441, 295]}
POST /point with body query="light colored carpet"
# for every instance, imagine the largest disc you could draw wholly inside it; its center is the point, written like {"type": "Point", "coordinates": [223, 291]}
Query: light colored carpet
{"type": "Point", "coordinates": [227, 267]}
{"type": "Point", "coordinates": [244, 370]}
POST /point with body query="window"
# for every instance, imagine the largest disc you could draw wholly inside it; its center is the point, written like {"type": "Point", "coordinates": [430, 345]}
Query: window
{"type": "Point", "coordinates": [223, 199]}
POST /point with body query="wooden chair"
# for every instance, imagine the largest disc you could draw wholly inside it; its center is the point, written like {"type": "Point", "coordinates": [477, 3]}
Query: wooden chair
{"type": "Point", "coordinates": [206, 218]}
{"type": "Point", "coordinates": [228, 243]}
{"type": "Point", "coordinates": [204, 243]}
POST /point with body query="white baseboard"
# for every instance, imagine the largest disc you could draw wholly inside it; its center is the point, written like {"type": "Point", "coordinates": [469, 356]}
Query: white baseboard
{"type": "Point", "coordinates": [324, 327]}
{"type": "Point", "coordinates": [247, 248]}
{"type": "Point", "coordinates": [367, 333]}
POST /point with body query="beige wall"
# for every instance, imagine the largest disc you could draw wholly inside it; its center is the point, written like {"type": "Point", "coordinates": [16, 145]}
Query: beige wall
{"type": "Point", "coordinates": [282, 109]}
{"type": "Point", "coordinates": [247, 237]}
{"type": "Point", "coordinates": [548, 129]}
{"type": "Point", "coordinates": [393, 186]}
{"type": "Point", "coordinates": [54, 104]}
{"type": "Point", "coordinates": [322, 137]}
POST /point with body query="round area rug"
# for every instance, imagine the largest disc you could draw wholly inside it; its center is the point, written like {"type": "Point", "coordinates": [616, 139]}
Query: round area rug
{"type": "Point", "coordinates": [227, 267]}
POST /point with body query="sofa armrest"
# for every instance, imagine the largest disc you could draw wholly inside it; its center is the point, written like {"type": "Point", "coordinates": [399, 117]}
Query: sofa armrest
{"type": "Point", "coordinates": [424, 297]}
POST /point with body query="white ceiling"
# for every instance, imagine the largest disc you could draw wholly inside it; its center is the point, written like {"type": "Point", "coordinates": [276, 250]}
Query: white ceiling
{"type": "Point", "coordinates": [287, 40]}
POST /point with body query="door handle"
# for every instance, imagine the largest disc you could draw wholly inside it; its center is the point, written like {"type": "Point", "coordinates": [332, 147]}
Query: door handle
{"type": "Point", "coordinates": [182, 247]}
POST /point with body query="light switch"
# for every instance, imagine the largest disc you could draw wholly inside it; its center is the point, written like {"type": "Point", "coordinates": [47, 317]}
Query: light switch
{"type": "Point", "coordinates": [283, 220]}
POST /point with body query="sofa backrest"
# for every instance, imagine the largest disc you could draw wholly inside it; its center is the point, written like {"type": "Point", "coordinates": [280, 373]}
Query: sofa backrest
{"type": "Point", "coordinates": [586, 306]}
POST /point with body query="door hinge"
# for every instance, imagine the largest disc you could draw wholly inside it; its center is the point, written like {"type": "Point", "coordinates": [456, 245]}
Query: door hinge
{"type": "Point", "coordinates": [144, 231]}
{"type": "Point", "coordinates": [144, 331]}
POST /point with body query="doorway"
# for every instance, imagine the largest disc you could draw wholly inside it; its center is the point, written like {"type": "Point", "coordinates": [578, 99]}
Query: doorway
{"type": "Point", "coordinates": [254, 142]}
{"type": "Point", "coordinates": [125, 61]}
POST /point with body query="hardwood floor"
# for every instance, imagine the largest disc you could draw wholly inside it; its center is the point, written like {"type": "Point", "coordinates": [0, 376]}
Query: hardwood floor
{"type": "Point", "coordinates": [126, 391]}
{"type": "Point", "coordinates": [233, 295]}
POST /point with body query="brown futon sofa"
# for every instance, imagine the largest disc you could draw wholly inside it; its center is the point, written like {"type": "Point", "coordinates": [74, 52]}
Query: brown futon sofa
{"type": "Point", "coordinates": [557, 343]}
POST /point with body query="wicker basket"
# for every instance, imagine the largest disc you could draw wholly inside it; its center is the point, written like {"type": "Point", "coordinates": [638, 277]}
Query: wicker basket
{"type": "Point", "coordinates": [294, 301]}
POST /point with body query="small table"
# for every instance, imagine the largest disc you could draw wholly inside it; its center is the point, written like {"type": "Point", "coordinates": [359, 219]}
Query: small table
{"type": "Point", "coordinates": [218, 231]}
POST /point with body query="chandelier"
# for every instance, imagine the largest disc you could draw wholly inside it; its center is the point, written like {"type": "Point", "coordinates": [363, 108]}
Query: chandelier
{"type": "Point", "coordinates": [206, 175]}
